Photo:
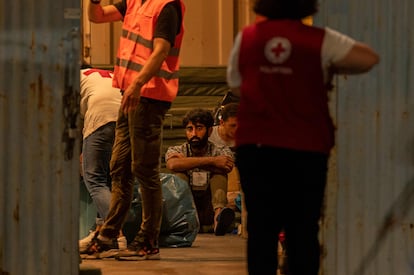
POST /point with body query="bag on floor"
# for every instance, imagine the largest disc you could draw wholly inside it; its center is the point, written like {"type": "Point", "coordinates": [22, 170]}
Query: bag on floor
{"type": "Point", "coordinates": [180, 223]}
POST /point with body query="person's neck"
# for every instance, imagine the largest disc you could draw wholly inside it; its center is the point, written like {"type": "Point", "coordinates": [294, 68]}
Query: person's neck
{"type": "Point", "coordinates": [199, 151]}
{"type": "Point", "coordinates": [222, 134]}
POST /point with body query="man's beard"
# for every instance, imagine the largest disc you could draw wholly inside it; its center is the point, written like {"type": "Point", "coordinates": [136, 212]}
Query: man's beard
{"type": "Point", "coordinates": [197, 143]}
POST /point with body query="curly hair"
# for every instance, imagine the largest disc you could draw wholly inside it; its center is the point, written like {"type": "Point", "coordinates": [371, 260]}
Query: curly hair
{"type": "Point", "coordinates": [199, 115]}
{"type": "Point", "coordinates": [285, 9]}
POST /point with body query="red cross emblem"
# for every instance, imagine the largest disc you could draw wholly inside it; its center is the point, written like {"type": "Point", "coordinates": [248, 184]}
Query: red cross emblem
{"type": "Point", "coordinates": [277, 50]}
{"type": "Point", "coordinates": [103, 73]}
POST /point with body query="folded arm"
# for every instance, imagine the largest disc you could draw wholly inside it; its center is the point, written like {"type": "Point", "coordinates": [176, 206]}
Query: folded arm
{"type": "Point", "coordinates": [217, 164]}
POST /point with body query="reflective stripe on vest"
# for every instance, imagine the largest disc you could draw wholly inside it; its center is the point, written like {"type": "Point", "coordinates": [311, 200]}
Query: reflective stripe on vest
{"type": "Point", "coordinates": [136, 46]}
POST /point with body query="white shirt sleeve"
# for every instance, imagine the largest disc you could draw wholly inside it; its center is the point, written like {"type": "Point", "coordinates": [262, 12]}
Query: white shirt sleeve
{"type": "Point", "coordinates": [83, 94]}
{"type": "Point", "coordinates": [335, 46]}
{"type": "Point", "coordinates": [233, 73]}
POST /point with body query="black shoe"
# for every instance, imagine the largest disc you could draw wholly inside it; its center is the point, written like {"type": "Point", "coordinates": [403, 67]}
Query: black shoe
{"type": "Point", "coordinates": [139, 250]}
{"type": "Point", "coordinates": [224, 219]}
{"type": "Point", "coordinates": [99, 249]}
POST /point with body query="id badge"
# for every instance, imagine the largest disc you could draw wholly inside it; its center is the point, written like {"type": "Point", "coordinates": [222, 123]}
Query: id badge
{"type": "Point", "coordinates": [199, 180]}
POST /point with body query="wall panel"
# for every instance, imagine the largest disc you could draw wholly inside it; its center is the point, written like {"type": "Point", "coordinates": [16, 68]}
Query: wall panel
{"type": "Point", "coordinates": [39, 90]}
{"type": "Point", "coordinates": [373, 170]}
{"type": "Point", "coordinates": [209, 32]}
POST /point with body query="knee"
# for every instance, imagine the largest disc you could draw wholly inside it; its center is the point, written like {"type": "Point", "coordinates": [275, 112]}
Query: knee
{"type": "Point", "coordinates": [218, 185]}
{"type": "Point", "coordinates": [218, 182]}
{"type": "Point", "coordinates": [219, 199]}
{"type": "Point", "coordinates": [182, 176]}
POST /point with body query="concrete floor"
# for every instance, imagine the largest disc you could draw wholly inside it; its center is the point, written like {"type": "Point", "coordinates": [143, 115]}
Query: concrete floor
{"type": "Point", "coordinates": [209, 254]}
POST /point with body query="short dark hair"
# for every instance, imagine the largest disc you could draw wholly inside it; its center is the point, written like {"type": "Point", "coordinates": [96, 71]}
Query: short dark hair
{"type": "Point", "coordinates": [285, 9]}
{"type": "Point", "coordinates": [229, 110]}
{"type": "Point", "coordinates": [199, 115]}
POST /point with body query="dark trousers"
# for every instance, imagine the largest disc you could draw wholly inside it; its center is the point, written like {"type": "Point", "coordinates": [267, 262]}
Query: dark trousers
{"type": "Point", "coordinates": [284, 189]}
{"type": "Point", "coordinates": [136, 154]}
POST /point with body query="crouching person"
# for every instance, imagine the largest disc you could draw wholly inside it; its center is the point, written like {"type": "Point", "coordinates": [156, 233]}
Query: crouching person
{"type": "Point", "coordinates": [204, 165]}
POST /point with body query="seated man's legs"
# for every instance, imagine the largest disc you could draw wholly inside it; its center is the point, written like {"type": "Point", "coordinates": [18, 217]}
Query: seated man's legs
{"type": "Point", "coordinates": [210, 203]}
{"type": "Point", "coordinates": [218, 187]}
{"type": "Point", "coordinates": [202, 201]}
{"type": "Point", "coordinates": [223, 217]}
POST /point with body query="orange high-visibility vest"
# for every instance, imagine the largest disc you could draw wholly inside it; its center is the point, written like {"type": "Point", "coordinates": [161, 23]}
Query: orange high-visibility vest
{"type": "Point", "coordinates": [136, 46]}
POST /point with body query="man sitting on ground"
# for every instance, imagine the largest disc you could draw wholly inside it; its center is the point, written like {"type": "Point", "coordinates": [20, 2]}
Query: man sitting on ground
{"type": "Point", "coordinates": [224, 133]}
{"type": "Point", "coordinates": [204, 165]}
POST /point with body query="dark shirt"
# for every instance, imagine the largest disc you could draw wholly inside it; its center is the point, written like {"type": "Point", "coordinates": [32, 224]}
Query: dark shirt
{"type": "Point", "coordinates": [168, 23]}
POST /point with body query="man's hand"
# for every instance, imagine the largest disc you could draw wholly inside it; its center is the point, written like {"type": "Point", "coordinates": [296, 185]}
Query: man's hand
{"type": "Point", "coordinates": [130, 98]}
{"type": "Point", "coordinates": [224, 162]}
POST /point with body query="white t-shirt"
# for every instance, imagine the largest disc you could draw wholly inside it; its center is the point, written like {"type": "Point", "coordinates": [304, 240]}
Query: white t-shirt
{"type": "Point", "coordinates": [215, 138]}
{"type": "Point", "coordinates": [335, 46]}
{"type": "Point", "coordinates": [100, 101]}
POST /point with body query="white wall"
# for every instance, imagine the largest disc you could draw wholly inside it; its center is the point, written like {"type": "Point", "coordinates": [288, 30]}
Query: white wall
{"type": "Point", "coordinates": [210, 27]}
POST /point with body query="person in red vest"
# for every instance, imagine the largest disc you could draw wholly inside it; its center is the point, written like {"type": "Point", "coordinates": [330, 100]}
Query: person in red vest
{"type": "Point", "coordinates": [282, 70]}
{"type": "Point", "coordinates": [146, 72]}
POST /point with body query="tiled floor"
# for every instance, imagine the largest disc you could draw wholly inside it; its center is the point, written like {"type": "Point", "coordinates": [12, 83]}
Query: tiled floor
{"type": "Point", "coordinates": [209, 254]}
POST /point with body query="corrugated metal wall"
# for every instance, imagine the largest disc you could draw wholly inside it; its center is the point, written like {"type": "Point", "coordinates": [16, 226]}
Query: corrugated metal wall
{"type": "Point", "coordinates": [39, 176]}
{"type": "Point", "coordinates": [372, 171]}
